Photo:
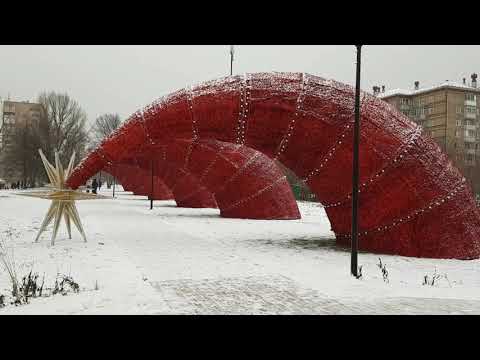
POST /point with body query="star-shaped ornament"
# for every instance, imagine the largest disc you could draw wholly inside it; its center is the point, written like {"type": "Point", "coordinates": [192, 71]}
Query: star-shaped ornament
{"type": "Point", "coordinates": [63, 198]}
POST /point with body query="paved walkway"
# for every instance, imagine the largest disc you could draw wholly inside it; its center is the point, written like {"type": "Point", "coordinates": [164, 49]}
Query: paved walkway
{"type": "Point", "coordinates": [280, 295]}
{"type": "Point", "coordinates": [194, 273]}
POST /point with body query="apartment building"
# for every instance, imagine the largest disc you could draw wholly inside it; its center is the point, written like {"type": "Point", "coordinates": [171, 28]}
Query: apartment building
{"type": "Point", "coordinates": [450, 114]}
{"type": "Point", "coordinates": [13, 115]}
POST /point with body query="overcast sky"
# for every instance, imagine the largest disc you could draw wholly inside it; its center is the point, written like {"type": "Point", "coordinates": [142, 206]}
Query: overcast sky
{"type": "Point", "coordinates": [123, 79]}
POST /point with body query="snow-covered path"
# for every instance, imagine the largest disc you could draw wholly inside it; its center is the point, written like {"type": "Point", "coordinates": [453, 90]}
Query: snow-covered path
{"type": "Point", "coordinates": [176, 260]}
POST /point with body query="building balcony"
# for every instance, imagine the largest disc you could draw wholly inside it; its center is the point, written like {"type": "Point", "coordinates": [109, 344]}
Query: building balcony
{"type": "Point", "coordinates": [470, 103]}
{"type": "Point", "coordinates": [470, 115]}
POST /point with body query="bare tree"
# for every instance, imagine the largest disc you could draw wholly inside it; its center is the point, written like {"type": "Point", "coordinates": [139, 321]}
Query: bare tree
{"type": "Point", "coordinates": [62, 126]}
{"type": "Point", "coordinates": [104, 125]}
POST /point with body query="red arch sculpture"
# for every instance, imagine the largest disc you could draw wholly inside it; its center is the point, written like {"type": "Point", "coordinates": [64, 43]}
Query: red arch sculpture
{"type": "Point", "coordinates": [413, 201]}
{"type": "Point", "coordinates": [236, 176]}
{"type": "Point", "coordinates": [127, 174]}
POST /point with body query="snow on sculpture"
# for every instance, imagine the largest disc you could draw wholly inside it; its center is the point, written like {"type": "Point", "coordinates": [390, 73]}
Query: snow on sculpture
{"type": "Point", "coordinates": [413, 201]}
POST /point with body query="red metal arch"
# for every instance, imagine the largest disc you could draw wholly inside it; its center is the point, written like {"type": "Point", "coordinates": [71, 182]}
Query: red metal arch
{"type": "Point", "coordinates": [127, 174]}
{"type": "Point", "coordinates": [237, 176]}
{"type": "Point", "coordinates": [186, 190]}
{"type": "Point", "coordinates": [413, 201]}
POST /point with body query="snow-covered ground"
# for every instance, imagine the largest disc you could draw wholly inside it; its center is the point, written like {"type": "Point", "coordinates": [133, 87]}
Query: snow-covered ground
{"type": "Point", "coordinates": [173, 260]}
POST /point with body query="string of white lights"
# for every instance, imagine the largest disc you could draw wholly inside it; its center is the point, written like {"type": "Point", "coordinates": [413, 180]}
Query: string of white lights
{"type": "Point", "coordinates": [256, 194]}
{"type": "Point", "coordinates": [176, 177]}
{"type": "Point", "coordinates": [398, 157]}
{"type": "Point", "coordinates": [431, 205]}
{"type": "Point", "coordinates": [291, 125]}
{"type": "Point", "coordinates": [189, 153]}
{"type": "Point", "coordinates": [191, 194]}
{"type": "Point", "coordinates": [189, 91]}
{"type": "Point", "coordinates": [329, 154]}
{"type": "Point", "coordinates": [244, 108]}
{"type": "Point", "coordinates": [336, 144]}
{"type": "Point", "coordinates": [145, 130]}
{"type": "Point", "coordinates": [211, 164]}
{"type": "Point", "coordinates": [240, 171]}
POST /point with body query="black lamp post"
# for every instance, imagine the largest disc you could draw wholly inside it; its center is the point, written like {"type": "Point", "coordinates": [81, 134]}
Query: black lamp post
{"type": "Point", "coordinates": [355, 172]}
{"type": "Point", "coordinates": [113, 183]}
{"type": "Point", "coordinates": [232, 51]}
{"type": "Point", "coordinates": [151, 193]}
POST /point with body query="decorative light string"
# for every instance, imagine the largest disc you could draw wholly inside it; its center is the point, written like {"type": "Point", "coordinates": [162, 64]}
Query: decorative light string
{"type": "Point", "coordinates": [198, 190]}
{"type": "Point", "coordinates": [189, 153]}
{"type": "Point", "coordinates": [329, 154]}
{"type": "Point", "coordinates": [243, 113]}
{"type": "Point", "coordinates": [400, 155]}
{"type": "Point", "coordinates": [145, 130]}
{"type": "Point", "coordinates": [176, 177]}
{"type": "Point", "coordinates": [210, 166]}
{"type": "Point", "coordinates": [240, 171]}
{"type": "Point", "coordinates": [431, 205]}
{"type": "Point", "coordinates": [256, 194]}
{"type": "Point", "coordinates": [189, 91]}
{"type": "Point", "coordinates": [291, 125]}
{"type": "Point", "coordinates": [335, 146]}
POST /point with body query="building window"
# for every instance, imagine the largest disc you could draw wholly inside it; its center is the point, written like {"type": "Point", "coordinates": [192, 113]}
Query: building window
{"type": "Point", "coordinates": [470, 109]}
{"type": "Point", "coordinates": [470, 157]}
{"type": "Point", "coordinates": [470, 133]}
{"type": "Point", "coordinates": [470, 97]}
{"type": "Point", "coordinates": [459, 109]}
{"type": "Point", "coordinates": [459, 122]}
{"type": "Point", "coordinates": [9, 108]}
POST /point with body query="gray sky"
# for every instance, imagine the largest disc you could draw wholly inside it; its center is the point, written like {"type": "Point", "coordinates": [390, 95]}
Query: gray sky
{"type": "Point", "coordinates": [123, 79]}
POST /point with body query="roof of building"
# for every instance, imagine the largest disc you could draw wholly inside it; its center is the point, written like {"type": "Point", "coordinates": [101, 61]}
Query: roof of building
{"type": "Point", "coordinates": [445, 84]}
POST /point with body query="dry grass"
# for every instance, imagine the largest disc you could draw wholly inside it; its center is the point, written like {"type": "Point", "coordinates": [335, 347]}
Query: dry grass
{"type": "Point", "coordinates": [7, 258]}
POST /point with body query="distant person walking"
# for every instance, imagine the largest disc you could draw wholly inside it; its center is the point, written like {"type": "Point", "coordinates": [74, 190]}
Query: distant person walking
{"type": "Point", "coordinates": [94, 186]}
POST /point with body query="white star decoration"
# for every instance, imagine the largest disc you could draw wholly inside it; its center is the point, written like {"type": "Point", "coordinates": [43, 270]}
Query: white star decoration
{"type": "Point", "coordinates": [63, 199]}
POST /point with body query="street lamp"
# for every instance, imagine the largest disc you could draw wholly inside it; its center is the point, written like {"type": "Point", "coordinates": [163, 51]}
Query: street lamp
{"type": "Point", "coordinates": [232, 52]}
{"type": "Point", "coordinates": [113, 195]}
{"type": "Point", "coordinates": [151, 192]}
{"type": "Point", "coordinates": [355, 170]}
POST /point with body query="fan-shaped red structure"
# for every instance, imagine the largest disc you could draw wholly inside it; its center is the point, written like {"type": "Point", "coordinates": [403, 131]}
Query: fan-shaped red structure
{"type": "Point", "coordinates": [413, 201]}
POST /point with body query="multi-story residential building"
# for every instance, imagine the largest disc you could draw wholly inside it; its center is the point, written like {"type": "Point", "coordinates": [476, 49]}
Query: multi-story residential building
{"type": "Point", "coordinates": [450, 114]}
{"type": "Point", "coordinates": [12, 116]}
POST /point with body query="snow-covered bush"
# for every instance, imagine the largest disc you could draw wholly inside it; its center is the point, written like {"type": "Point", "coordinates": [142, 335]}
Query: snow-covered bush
{"type": "Point", "coordinates": [434, 279]}
{"type": "Point", "coordinates": [65, 284]}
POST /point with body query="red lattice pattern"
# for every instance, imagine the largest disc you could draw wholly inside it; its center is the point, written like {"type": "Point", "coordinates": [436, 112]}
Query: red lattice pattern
{"type": "Point", "coordinates": [413, 201]}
